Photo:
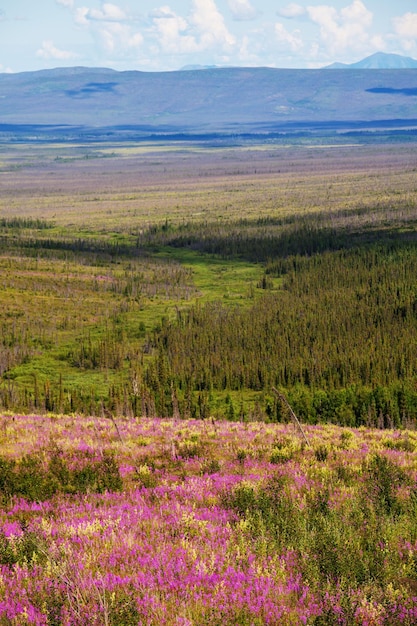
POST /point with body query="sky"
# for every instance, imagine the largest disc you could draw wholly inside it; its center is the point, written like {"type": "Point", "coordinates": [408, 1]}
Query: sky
{"type": "Point", "coordinates": [166, 35]}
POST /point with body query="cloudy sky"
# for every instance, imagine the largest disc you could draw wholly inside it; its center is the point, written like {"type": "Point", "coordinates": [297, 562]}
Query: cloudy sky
{"type": "Point", "coordinates": [156, 35]}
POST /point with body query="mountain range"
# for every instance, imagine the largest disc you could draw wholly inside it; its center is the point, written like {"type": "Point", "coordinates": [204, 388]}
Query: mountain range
{"type": "Point", "coordinates": [236, 100]}
{"type": "Point", "coordinates": [379, 61]}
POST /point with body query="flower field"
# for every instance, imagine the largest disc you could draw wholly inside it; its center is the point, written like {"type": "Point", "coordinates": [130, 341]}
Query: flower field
{"type": "Point", "coordinates": [166, 522]}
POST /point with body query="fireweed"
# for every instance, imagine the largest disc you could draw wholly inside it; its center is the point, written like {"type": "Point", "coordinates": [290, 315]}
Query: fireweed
{"type": "Point", "coordinates": [193, 523]}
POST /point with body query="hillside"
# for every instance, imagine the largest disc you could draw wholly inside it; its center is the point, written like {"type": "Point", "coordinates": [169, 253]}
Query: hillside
{"type": "Point", "coordinates": [225, 100]}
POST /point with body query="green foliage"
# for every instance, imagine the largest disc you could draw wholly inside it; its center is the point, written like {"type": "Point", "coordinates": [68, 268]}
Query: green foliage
{"type": "Point", "coordinates": [269, 510]}
{"type": "Point", "coordinates": [26, 478]}
{"type": "Point", "coordinates": [210, 466]}
{"type": "Point", "coordinates": [382, 479]}
{"type": "Point", "coordinates": [188, 449]}
{"type": "Point", "coordinates": [400, 443]}
{"type": "Point", "coordinates": [338, 336]}
{"type": "Point", "coordinates": [281, 455]}
{"type": "Point", "coordinates": [321, 453]}
{"type": "Point", "coordinates": [241, 499]}
{"type": "Point", "coordinates": [37, 479]}
{"type": "Point", "coordinates": [27, 549]}
{"type": "Point", "coordinates": [341, 546]}
{"type": "Point", "coordinates": [145, 476]}
{"type": "Point", "coordinates": [19, 223]}
{"type": "Point", "coordinates": [124, 612]}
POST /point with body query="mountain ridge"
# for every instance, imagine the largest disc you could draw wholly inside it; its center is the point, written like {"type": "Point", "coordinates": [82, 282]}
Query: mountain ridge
{"type": "Point", "coordinates": [379, 60]}
{"type": "Point", "coordinates": [224, 100]}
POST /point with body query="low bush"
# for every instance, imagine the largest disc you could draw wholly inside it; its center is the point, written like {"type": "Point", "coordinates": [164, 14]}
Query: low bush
{"type": "Point", "coordinates": [37, 480]}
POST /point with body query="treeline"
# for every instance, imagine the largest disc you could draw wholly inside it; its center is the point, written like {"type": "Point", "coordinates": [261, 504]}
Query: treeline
{"type": "Point", "coordinates": [260, 240]}
{"type": "Point", "coordinates": [55, 396]}
{"type": "Point", "coordinates": [37, 246]}
{"type": "Point", "coordinates": [342, 321]}
{"type": "Point", "coordinates": [24, 223]}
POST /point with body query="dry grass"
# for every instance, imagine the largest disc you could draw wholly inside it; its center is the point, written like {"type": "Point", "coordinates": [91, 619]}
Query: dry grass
{"type": "Point", "coordinates": [135, 186]}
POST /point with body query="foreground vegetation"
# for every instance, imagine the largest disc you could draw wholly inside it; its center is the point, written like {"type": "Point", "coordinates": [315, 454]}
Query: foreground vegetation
{"type": "Point", "coordinates": [194, 293]}
{"type": "Point", "coordinates": [188, 522]}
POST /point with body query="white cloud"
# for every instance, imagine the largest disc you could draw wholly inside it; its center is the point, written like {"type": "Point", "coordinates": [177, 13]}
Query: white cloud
{"type": "Point", "coordinates": [405, 28]}
{"type": "Point", "coordinates": [203, 30]}
{"type": "Point", "coordinates": [209, 24]}
{"type": "Point", "coordinates": [344, 30]}
{"type": "Point", "coordinates": [162, 12]}
{"type": "Point", "coordinates": [170, 31]}
{"type": "Point", "coordinates": [119, 38]}
{"type": "Point", "coordinates": [247, 52]}
{"type": "Point", "coordinates": [120, 33]}
{"type": "Point", "coordinates": [112, 28]}
{"type": "Point", "coordinates": [356, 12]}
{"type": "Point", "coordinates": [291, 10]}
{"type": "Point", "coordinates": [81, 16]}
{"type": "Point", "coordinates": [108, 13]}
{"type": "Point", "coordinates": [66, 3]}
{"type": "Point", "coordinates": [49, 51]}
{"type": "Point", "coordinates": [242, 10]}
{"type": "Point", "coordinates": [378, 42]}
{"type": "Point", "coordinates": [293, 40]}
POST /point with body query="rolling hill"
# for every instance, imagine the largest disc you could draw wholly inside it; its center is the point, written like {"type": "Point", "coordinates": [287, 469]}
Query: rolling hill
{"type": "Point", "coordinates": [213, 100]}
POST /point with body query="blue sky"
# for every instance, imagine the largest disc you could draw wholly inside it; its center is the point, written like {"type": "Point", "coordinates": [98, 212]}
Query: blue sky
{"type": "Point", "coordinates": [159, 35]}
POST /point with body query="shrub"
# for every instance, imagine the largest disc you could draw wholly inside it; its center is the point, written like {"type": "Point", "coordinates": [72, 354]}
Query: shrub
{"type": "Point", "coordinates": [97, 476]}
{"type": "Point", "coordinates": [382, 479]}
{"type": "Point", "coordinates": [24, 550]}
{"type": "Point", "coordinates": [318, 502]}
{"type": "Point", "coordinates": [241, 499]}
{"type": "Point", "coordinates": [241, 455]}
{"type": "Point", "coordinates": [321, 453]}
{"type": "Point", "coordinates": [145, 476]}
{"type": "Point", "coordinates": [124, 612]}
{"type": "Point", "coordinates": [283, 451]}
{"type": "Point", "coordinates": [210, 466]}
{"type": "Point", "coordinates": [344, 473]}
{"type": "Point", "coordinates": [402, 443]}
{"type": "Point", "coordinates": [109, 475]}
{"type": "Point", "coordinates": [189, 449]}
{"type": "Point", "coordinates": [36, 480]}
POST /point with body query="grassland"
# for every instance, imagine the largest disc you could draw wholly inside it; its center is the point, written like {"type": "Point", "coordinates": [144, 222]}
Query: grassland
{"type": "Point", "coordinates": [155, 279]}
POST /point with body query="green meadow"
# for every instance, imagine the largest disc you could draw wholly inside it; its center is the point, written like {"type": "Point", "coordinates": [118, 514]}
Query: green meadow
{"type": "Point", "coordinates": [151, 279]}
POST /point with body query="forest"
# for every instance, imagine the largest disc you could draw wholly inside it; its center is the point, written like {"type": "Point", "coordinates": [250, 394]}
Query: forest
{"type": "Point", "coordinates": [188, 280]}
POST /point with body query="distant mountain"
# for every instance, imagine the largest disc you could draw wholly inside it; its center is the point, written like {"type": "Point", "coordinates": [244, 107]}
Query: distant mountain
{"type": "Point", "coordinates": [217, 100]}
{"type": "Point", "coordinates": [378, 61]}
{"type": "Point", "coordinates": [197, 67]}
